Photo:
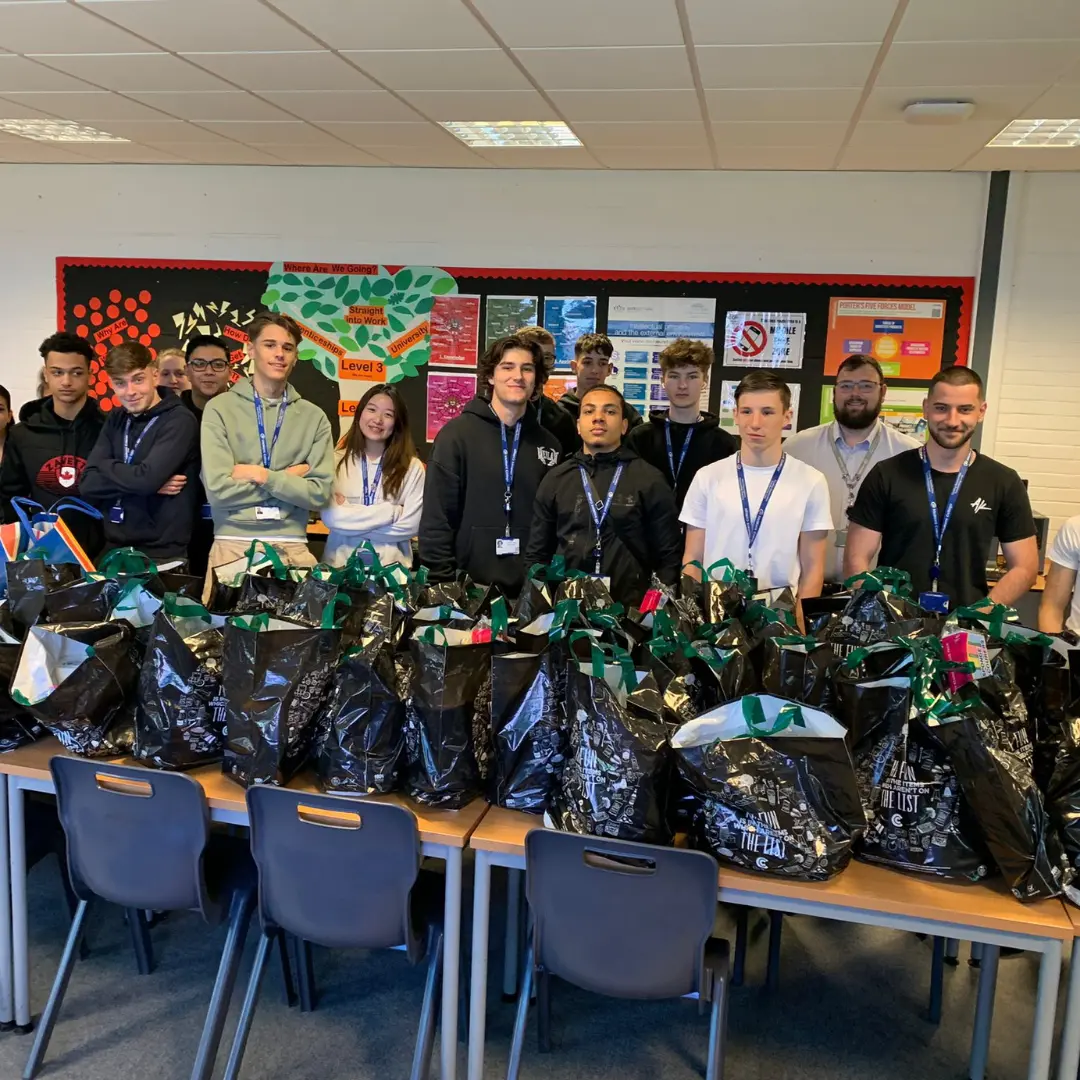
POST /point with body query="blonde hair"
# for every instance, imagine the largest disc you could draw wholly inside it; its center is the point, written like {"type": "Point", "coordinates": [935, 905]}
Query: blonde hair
{"type": "Point", "coordinates": [166, 354]}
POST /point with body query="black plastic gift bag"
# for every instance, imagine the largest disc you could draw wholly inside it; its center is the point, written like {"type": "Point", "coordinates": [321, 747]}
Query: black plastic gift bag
{"type": "Point", "coordinates": [722, 592]}
{"type": "Point", "coordinates": [17, 726]}
{"type": "Point", "coordinates": [180, 718]}
{"type": "Point", "coordinates": [28, 583]}
{"type": "Point", "coordinates": [772, 787]}
{"type": "Point", "coordinates": [797, 667]}
{"type": "Point", "coordinates": [1063, 802]}
{"type": "Point", "coordinates": [276, 676]}
{"type": "Point", "coordinates": [878, 609]}
{"type": "Point", "coordinates": [89, 599]}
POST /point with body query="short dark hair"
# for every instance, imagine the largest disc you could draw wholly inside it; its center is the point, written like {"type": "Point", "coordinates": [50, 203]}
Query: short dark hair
{"type": "Point", "coordinates": [493, 355]}
{"type": "Point", "coordinates": [858, 360]}
{"type": "Point", "coordinates": [598, 343]}
{"type": "Point", "coordinates": [544, 338]}
{"type": "Point", "coordinates": [201, 340]}
{"type": "Point", "coordinates": [66, 343]}
{"type": "Point", "coordinates": [764, 382]}
{"type": "Point", "coordinates": [127, 358]}
{"type": "Point", "coordinates": [958, 375]}
{"type": "Point", "coordinates": [274, 318]}
{"type": "Point", "coordinates": [603, 388]}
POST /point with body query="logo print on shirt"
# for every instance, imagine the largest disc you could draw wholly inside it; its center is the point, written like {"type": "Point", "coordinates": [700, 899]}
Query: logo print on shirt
{"type": "Point", "coordinates": [979, 504]}
{"type": "Point", "coordinates": [547, 455]}
{"type": "Point", "coordinates": [60, 475]}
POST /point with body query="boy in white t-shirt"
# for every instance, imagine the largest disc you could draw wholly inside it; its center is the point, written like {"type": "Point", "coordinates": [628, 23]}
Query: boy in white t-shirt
{"type": "Point", "coordinates": [765, 511]}
{"type": "Point", "coordinates": [1061, 594]}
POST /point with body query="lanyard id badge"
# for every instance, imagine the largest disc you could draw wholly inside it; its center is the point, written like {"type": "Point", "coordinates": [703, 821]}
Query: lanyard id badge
{"type": "Point", "coordinates": [369, 494]}
{"type": "Point", "coordinates": [852, 482]}
{"type": "Point", "coordinates": [754, 527]}
{"type": "Point", "coordinates": [676, 469]}
{"type": "Point", "coordinates": [268, 451]}
{"type": "Point", "coordinates": [934, 600]}
{"type": "Point", "coordinates": [116, 511]}
{"type": "Point", "coordinates": [507, 544]}
{"type": "Point", "coordinates": [599, 509]}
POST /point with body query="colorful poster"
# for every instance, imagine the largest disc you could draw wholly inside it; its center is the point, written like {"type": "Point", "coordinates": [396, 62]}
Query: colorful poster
{"type": "Point", "coordinates": [640, 328]}
{"type": "Point", "coordinates": [567, 318]}
{"type": "Point", "coordinates": [558, 385]}
{"type": "Point", "coordinates": [764, 339]}
{"type": "Point", "coordinates": [727, 406]}
{"type": "Point", "coordinates": [447, 395]}
{"type": "Point", "coordinates": [905, 336]}
{"type": "Point", "coordinates": [901, 409]}
{"type": "Point", "coordinates": [455, 331]}
{"type": "Point", "coordinates": [504, 315]}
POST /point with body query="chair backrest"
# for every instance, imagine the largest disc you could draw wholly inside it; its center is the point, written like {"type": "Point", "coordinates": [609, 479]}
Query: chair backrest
{"type": "Point", "coordinates": [134, 837]}
{"type": "Point", "coordinates": [335, 871]}
{"type": "Point", "coordinates": [619, 918]}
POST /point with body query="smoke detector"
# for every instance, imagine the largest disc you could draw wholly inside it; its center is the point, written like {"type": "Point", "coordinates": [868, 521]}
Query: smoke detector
{"type": "Point", "coordinates": [939, 112]}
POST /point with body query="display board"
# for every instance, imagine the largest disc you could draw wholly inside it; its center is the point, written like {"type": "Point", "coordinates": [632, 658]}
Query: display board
{"type": "Point", "coordinates": [423, 327]}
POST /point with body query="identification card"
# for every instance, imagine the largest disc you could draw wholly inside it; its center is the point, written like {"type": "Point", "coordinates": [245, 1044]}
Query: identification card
{"type": "Point", "coordinates": [267, 513]}
{"type": "Point", "coordinates": [841, 537]}
{"type": "Point", "coordinates": [605, 581]}
{"type": "Point", "coordinates": [934, 601]}
{"type": "Point", "coordinates": [116, 514]}
{"type": "Point", "coordinates": [508, 545]}
{"type": "Point", "coordinates": [207, 513]}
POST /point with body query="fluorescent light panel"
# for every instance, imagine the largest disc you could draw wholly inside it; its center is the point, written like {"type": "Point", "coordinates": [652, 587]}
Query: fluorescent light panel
{"type": "Point", "coordinates": [1039, 133]}
{"type": "Point", "coordinates": [512, 132]}
{"type": "Point", "coordinates": [57, 131]}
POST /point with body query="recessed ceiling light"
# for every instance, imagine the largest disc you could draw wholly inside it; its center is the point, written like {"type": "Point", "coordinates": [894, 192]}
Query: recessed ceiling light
{"type": "Point", "coordinates": [57, 131]}
{"type": "Point", "coordinates": [512, 132]}
{"type": "Point", "coordinates": [1039, 133]}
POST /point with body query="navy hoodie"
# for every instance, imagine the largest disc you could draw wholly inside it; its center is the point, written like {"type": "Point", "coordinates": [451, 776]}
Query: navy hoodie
{"type": "Point", "coordinates": [158, 525]}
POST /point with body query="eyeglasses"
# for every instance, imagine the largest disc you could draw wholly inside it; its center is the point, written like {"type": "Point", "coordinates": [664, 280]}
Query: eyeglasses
{"type": "Point", "coordinates": [865, 387]}
{"type": "Point", "coordinates": [213, 365]}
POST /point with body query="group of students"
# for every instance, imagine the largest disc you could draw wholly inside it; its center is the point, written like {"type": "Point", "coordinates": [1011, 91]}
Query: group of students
{"type": "Point", "coordinates": [519, 479]}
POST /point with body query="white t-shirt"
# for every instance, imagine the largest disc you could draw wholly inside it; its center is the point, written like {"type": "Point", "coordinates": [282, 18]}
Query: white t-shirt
{"type": "Point", "coordinates": [1065, 551]}
{"type": "Point", "coordinates": [799, 503]}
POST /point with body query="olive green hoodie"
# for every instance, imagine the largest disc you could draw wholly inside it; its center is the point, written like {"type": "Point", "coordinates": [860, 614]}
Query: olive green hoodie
{"type": "Point", "coordinates": [230, 437]}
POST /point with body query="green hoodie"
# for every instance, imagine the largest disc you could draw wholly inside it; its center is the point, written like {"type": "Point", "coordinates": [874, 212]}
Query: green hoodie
{"type": "Point", "coordinates": [230, 437]}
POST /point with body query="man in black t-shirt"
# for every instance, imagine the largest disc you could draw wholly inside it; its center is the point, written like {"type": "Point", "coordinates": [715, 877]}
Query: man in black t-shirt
{"type": "Point", "coordinates": [892, 515]}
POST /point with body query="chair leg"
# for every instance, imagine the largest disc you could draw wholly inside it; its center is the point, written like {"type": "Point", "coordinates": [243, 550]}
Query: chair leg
{"type": "Point", "coordinates": [247, 1010]}
{"type": "Point", "coordinates": [305, 975]}
{"type": "Point", "coordinates": [72, 900]}
{"type": "Point", "coordinates": [739, 967]}
{"type": "Point", "coordinates": [286, 968]}
{"type": "Point", "coordinates": [543, 1010]}
{"type": "Point", "coordinates": [772, 975]}
{"type": "Point", "coordinates": [937, 980]}
{"type": "Point", "coordinates": [56, 995]}
{"type": "Point", "coordinates": [524, 994]}
{"type": "Point", "coordinates": [239, 918]}
{"type": "Point", "coordinates": [140, 940]}
{"type": "Point", "coordinates": [425, 1036]}
{"type": "Point", "coordinates": [718, 1027]}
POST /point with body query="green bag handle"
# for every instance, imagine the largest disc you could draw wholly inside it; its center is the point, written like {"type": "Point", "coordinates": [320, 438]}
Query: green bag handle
{"type": "Point", "coordinates": [126, 562]}
{"type": "Point", "coordinates": [663, 629]}
{"type": "Point", "coordinates": [330, 619]}
{"type": "Point", "coordinates": [798, 639]}
{"type": "Point", "coordinates": [993, 617]}
{"type": "Point", "coordinates": [554, 572]}
{"type": "Point", "coordinates": [607, 617]}
{"type": "Point", "coordinates": [500, 617]}
{"type": "Point", "coordinates": [883, 579]}
{"type": "Point", "coordinates": [256, 623]}
{"type": "Point", "coordinates": [759, 612]}
{"type": "Point", "coordinates": [421, 576]}
{"type": "Point", "coordinates": [753, 712]}
{"type": "Point", "coordinates": [428, 635]}
{"type": "Point", "coordinates": [599, 660]}
{"type": "Point", "coordinates": [280, 570]}
{"type": "Point", "coordinates": [183, 607]}
{"type": "Point", "coordinates": [566, 611]}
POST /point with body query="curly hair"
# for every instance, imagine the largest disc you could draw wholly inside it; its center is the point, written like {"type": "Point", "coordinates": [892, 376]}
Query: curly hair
{"type": "Point", "coordinates": [685, 353]}
{"type": "Point", "coordinates": [67, 344]}
{"type": "Point", "coordinates": [485, 369]}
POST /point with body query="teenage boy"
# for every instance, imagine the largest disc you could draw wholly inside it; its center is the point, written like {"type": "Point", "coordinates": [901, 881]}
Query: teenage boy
{"type": "Point", "coordinates": [550, 415]}
{"type": "Point", "coordinates": [592, 366]}
{"type": "Point", "coordinates": [267, 455]}
{"type": "Point", "coordinates": [141, 473]}
{"type": "Point", "coordinates": [485, 467]}
{"type": "Point", "coordinates": [764, 511]}
{"type": "Point", "coordinates": [846, 449]}
{"type": "Point", "coordinates": [682, 439]}
{"type": "Point", "coordinates": [606, 510]}
{"type": "Point", "coordinates": [1059, 608]}
{"type": "Point", "coordinates": [934, 511]}
{"type": "Point", "coordinates": [46, 451]}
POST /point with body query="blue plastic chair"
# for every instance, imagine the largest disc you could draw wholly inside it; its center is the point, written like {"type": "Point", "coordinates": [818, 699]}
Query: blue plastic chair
{"type": "Point", "coordinates": [342, 873]}
{"type": "Point", "coordinates": [141, 839]}
{"type": "Point", "coordinates": [622, 919]}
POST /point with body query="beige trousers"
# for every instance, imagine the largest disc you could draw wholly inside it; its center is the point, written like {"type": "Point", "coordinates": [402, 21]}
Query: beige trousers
{"type": "Point", "coordinates": [227, 551]}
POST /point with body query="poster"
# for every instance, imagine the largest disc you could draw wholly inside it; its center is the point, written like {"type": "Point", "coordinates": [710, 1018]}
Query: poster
{"type": "Point", "coordinates": [764, 339]}
{"type": "Point", "coordinates": [506, 315]}
{"type": "Point", "coordinates": [901, 409]}
{"type": "Point", "coordinates": [455, 331]}
{"type": "Point", "coordinates": [905, 336]}
{"type": "Point", "coordinates": [566, 318]}
{"type": "Point", "coordinates": [727, 407]}
{"type": "Point", "coordinates": [557, 385]}
{"type": "Point", "coordinates": [447, 395]}
{"type": "Point", "coordinates": [640, 328]}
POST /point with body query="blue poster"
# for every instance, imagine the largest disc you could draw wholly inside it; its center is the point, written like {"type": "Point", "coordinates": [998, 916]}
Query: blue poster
{"type": "Point", "coordinates": [566, 318]}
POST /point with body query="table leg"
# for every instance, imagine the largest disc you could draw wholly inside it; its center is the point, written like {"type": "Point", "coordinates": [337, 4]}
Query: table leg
{"type": "Point", "coordinates": [1042, 1036]}
{"type": "Point", "coordinates": [478, 988]}
{"type": "Point", "coordinates": [451, 963]}
{"type": "Point", "coordinates": [513, 934]}
{"type": "Point", "coordinates": [7, 1004]}
{"type": "Point", "coordinates": [984, 1013]}
{"type": "Point", "coordinates": [20, 950]}
{"type": "Point", "coordinates": [1069, 1064]}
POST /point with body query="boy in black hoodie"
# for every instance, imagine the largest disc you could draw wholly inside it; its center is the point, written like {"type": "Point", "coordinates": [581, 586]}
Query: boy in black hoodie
{"type": "Point", "coordinates": [605, 510]}
{"type": "Point", "coordinates": [485, 467]}
{"type": "Point", "coordinates": [46, 451]}
{"type": "Point", "coordinates": [143, 472]}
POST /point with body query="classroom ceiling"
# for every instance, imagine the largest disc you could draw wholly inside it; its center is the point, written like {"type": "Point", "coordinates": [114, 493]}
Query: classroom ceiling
{"type": "Point", "coordinates": [673, 84]}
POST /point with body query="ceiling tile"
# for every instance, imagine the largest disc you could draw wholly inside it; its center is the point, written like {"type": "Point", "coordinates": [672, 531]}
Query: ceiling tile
{"type": "Point", "coordinates": [727, 105]}
{"type": "Point", "coordinates": [977, 63]}
{"type": "Point", "coordinates": [453, 156]}
{"type": "Point", "coordinates": [653, 157]}
{"type": "Point", "coordinates": [212, 105]}
{"type": "Point", "coordinates": [197, 25]}
{"type": "Point", "coordinates": [318, 106]}
{"type": "Point", "coordinates": [284, 71]}
{"type": "Point", "coordinates": [824, 136]}
{"type": "Point", "coordinates": [903, 146]}
{"type": "Point", "coordinates": [442, 69]}
{"type": "Point", "coordinates": [94, 105]}
{"type": "Point", "coordinates": [540, 157]}
{"type": "Point", "coordinates": [128, 152]}
{"type": "Point", "coordinates": [62, 28]}
{"type": "Point", "coordinates": [266, 133]}
{"type": "Point", "coordinates": [777, 157]}
{"type": "Point", "coordinates": [134, 71]}
{"type": "Point", "coordinates": [505, 105]}
{"type": "Point", "coordinates": [788, 22]}
{"type": "Point", "coordinates": [15, 110]}
{"type": "Point", "coordinates": [1061, 102]}
{"type": "Point", "coordinates": [17, 73]}
{"type": "Point", "coordinates": [1000, 158]}
{"type": "Point", "coordinates": [223, 153]}
{"type": "Point", "coordinates": [559, 23]}
{"type": "Point", "coordinates": [375, 24]}
{"type": "Point", "coordinates": [331, 154]}
{"type": "Point", "coordinates": [663, 67]}
{"type": "Point", "coordinates": [627, 104]}
{"type": "Point", "coordinates": [152, 132]}
{"type": "Point", "coordinates": [826, 66]}
{"type": "Point", "coordinates": [26, 151]}
{"type": "Point", "coordinates": [685, 133]}
{"type": "Point", "coordinates": [989, 20]}
{"type": "Point", "coordinates": [378, 134]}
{"type": "Point", "coordinates": [941, 159]}
{"type": "Point", "coordinates": [991, 102]}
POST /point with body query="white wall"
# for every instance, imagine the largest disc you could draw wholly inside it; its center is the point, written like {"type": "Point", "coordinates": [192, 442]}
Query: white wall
{"type": "Point", "coordinates": [879, 223]}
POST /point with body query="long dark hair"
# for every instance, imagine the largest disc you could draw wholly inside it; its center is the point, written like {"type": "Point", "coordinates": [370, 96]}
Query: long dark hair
{"type": "Point", "coordinates": [400, 448]}
{"type": "Point", "coordinates": [485, 368]}
{"type": "Point", "coordinates": [7, 401]}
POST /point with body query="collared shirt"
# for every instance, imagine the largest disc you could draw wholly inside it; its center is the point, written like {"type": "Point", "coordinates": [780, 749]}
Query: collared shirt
{"type": "Point", "coordinates": [815, 447]}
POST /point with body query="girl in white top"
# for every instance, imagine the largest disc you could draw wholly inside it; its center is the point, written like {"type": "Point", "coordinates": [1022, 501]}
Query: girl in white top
{"type": "Point", "coordinates": [378, 485]}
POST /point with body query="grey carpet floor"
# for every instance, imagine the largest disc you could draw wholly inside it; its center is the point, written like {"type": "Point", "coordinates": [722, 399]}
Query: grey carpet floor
{"type": "Point", "coordinates": [851, 1004]}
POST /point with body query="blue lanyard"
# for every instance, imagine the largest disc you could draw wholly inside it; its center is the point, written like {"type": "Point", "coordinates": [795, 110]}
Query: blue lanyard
{"type": "Point", "coordinates": [369, 494]}
{"type": "Point", "coordinates": [509, 464]}
{"type": "Point", "coordinates": [675, 470]}
{"type": "Point", "coordinates": [599, 507]}
{"type": "Point", "coordinates": [267, 451]}
{"type": "Point", "coordinates": [941, 524]}
{"type": "Point", "coordinates": [752, 529]}
{"type": "Point", "coordinates": [130, 452]}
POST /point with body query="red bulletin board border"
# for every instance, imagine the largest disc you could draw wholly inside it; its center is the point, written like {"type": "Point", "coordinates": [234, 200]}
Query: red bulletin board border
{"type": "Point", "coordinates": [966, 285]}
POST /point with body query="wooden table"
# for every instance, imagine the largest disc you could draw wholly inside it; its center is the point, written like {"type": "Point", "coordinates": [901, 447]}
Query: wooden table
{"type": "Point", "coordinates": [443, 834]}
{"type": "Point", "coordinates": [862, 893]}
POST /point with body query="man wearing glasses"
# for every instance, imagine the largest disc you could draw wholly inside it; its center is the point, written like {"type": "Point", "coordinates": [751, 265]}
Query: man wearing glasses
{"type": "Point", "coordinates": [846, 449]}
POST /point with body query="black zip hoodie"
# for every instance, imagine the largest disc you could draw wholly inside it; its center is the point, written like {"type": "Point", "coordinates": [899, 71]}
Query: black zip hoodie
{"type": "Point", "coordinates": [641, 534]}
{"type": "Point", "coordinates": [44, 458]}
{"type": "Point", "coordinates": [158, 525]}
{"type": "Point", "coordinates": [708, 443]}
{"type": "Point", "coordinates": [463, 512]}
